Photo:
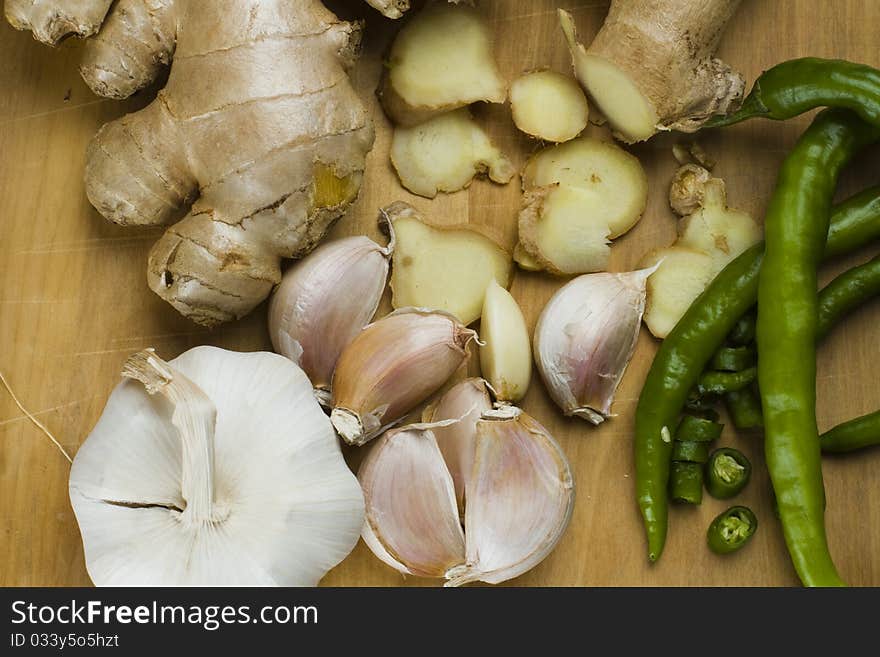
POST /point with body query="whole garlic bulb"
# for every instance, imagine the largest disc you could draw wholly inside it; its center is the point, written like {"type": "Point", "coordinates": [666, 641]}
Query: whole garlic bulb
{"type": "Point", "coordinates": [392, 366]}
{"type": "Point", "coordinates": [216, 469]}
{"type": "Point", "coordinates": [324, 301]}
{"type": "Point", "coordinates": [518, 500]}
{"type": "Point", "coordinates": [585, 338]}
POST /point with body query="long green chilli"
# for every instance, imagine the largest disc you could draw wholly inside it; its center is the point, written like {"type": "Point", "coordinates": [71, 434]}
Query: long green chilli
{"type": "Point", "coordinates": [687, 349]}
{"type": "Point", "coordinates": [796, 86]}
{"type": "Point", "coordinates": [796, 229]}
{"type": "Point", "coordinates": [847, 292]}
{"type": "Point", "coordinates": [856, 434]}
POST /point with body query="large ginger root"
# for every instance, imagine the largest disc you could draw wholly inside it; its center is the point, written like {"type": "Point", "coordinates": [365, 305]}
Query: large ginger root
{"type": "Point", "coordinates": [444, 153]}
{"type": "Point", "coordinates": [441, 60]}
{"type": "Point", "coordinates": [651, 66]}
{"type": "Point", "coordinates": [258, 124]}
{"type": "Point", "coordinates": [709, 236]}
{"type": "Point", "coordinates": [578, 196]}
{"type": "Point", "coordinates": [53, 20]}
{"type": "Point", "coordinates": [390, 8]}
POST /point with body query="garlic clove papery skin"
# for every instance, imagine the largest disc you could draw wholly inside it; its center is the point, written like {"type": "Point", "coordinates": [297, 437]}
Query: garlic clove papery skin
{"type": "Point", "coordinates": [282, 506]}
{"type": "Point", "coordinates": [519, 501]}
{"type": "Point", "coordinates": [393, 365]}
{"type": "Point", "coordinates": [506, 352]}
{"type": "Point", "coordinates": [465, 401]}
{"type": "Point", "coordinates": [324, 301]}
{"type": "Point", "coordinates": [411, 515]}
{"type": "Point", "coordinates": [585, 338]}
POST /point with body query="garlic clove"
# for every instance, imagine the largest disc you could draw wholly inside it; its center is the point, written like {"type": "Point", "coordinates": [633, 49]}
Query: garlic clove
{"type": "Point", "coordinates": [411, 514]}
{"type": "Point", "coordinates": [324, 301]}
{"type": "Point", "coordinates": [466, 401]}
{"type": "Point", "coordinates": [393, 365]}
{"type": "Point", "coordinates": [519, 501]}
{"type": "Point", "coordinates": [506, 355]}
{"type": "Point", "coordinates": [585, 338]}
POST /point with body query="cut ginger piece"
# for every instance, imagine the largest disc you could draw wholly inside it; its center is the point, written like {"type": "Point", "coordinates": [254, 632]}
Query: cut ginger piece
{"type": "Point", "coordinates": [445, 153]}
{"type": "Point", "coordinates": [708, 239]}
{"type": "Point", "coordinates": [558, 233]}
{"type": "Point", "coordinates": [652, 67]}
{"type": "Point", "coordinates": [443, 267]}
{"type": "Point", "coordinates": [681, 277]}
{"type": "Point", "coordinates": [441, 60]}
{"type": "Point", "coordinates": [549, 106]}
{"type": "Point", "coordinates": [577, 196]}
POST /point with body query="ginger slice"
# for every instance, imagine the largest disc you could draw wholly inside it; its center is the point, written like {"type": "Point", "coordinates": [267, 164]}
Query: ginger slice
{"type": "Point", "coordinates": [709, 237]}
{"type": "Point", "coordinates": [577, 196]}
{"type": "Point", "coordinates": [682, 275]}
{"type": "Point", "coordinates": [443, 267]}
{"type": "Point", "coordinates": [549, 106]}
{"type": "Point", "coordinates": [444, 153]}
{"type": "Point", "coordinates": [441, 60]}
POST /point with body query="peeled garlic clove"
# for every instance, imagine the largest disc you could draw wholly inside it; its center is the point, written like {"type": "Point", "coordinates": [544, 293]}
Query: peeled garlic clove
{"type": "Point", "coordinates": [393, 365]}
{"type": "Point", "coordinates": [411, 516]}
{"type": "Point", "coordinates": [585, 338]}
{"type": "Point", "coordinates": [324, 301]}
{"type": "Point", "coordinates": [465, 402]}
{"type": "Point", "coordinates": [506, 355]}
{"type": "Point", "coordinates": [519, 501]}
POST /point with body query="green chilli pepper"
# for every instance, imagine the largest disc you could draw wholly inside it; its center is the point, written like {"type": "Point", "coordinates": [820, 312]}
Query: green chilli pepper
{"type": "Point", "coordinates": [690, 451]}
{"type": "Point", "coordinates": [799, 85]}
{"type": "Point", "coordinates": [719, 383]}
{"type": "Point", "coordinates": [697, 429]}
{"type": "Point", "coordinates": [686, 482]}
{"type": "Point", "coordinates": [731, 530]}
{"type": "Point", "coordinates": [795, 230]}
{"type": "Point", "coordinates": [847, 292]}
{"type": "Point", "coordinates": [856, 434]}
{"type": "Point", "coordinates": [744, 407]}
{"type": "Point", "coordinates": [743, 332]}
{"type": "Point", "coordinates": [701, 406]}
{"type": "Point", "coordinates": [687, 349]}
{"type": "Point", "coordinates": [727, 472]}
{"type": "Point", "coordinates": [836, 299]}
{"type": "Point", "coordinates": [733, 359]}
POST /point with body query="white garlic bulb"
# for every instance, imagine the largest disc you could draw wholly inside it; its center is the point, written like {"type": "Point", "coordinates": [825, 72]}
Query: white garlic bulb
{"type": "Point", "coordinates": [216, 469]}
{"type": "Point", "coordinates": [324, 301]}
{"type": "Point", "coordinates": [585, 338]}
{"type": "Point", "coordinates": [518, 500]}
{"type": "Point", "coordinates": [392, 366]}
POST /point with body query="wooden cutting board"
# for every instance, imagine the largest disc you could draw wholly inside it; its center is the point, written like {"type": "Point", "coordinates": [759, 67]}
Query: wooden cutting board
{"type": "Point", "coordinates": [74, 303]}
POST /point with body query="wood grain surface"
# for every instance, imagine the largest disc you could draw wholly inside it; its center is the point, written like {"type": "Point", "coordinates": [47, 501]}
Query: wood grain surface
{"type": "Point", "coordinates": [74, 303]}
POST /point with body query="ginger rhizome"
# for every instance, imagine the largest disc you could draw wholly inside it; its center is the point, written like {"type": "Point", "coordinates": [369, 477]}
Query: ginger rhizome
{"type": "Point", "coordinates": [258, 133]}
{"type": "Point", "coordinates": [652, 67]}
